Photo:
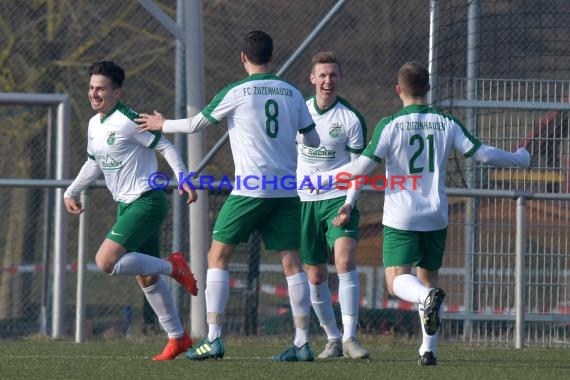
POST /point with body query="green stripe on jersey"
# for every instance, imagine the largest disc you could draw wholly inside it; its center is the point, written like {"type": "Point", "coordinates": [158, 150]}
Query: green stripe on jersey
{"type": "Point", "coordinates": [207, 111]}
{"type": "Point", "coordinates": [369, 151]}
{"type": "Point", "coordinates": [108, 114]}
{"type": "Point", "coordinates": [422, 109]}
{"type": "Point", "coordinates": [128, 112]}
{"type": "Point", "coordinates": [352, 150]}
{"type": "Point", "coordinates": [345, 103]}
{"type": "Point", "coordinates": [307, 128]}
{"type": "Point", "coordinates": [419, 108]}
{"type": "Point", "coordinates": [157, 136]}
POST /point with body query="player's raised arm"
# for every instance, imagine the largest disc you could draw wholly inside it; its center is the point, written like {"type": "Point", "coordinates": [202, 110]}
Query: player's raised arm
{"type": "Point", "coordinates": [157, 122]}
{"type": "Point", "coordinates": [499, 157]}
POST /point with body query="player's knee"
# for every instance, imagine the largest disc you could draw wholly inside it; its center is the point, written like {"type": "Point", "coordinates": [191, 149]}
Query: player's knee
{"type": "Point", "coordinates": [219, 255]}
{"type": "Point", "coordinates": [317, 277]}
{"type": "Point", "coordinates": [291, 262]}
{"type": "Point", "coordinates": [146, 281]}
{"type": "Point", "coordinates": [316, 274]}
{"type": "Point", "coordinates": [344, 264]}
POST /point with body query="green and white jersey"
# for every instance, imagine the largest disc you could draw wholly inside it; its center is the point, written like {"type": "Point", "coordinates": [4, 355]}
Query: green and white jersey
{"type": "Point", "coordinates": [342, 130]}
{"type": "Point", "coordinates": [124, 155]}
{"type": "Point", "coordinates": [264, 114]}
{"type": "Point", "coordinates": [417, 141]}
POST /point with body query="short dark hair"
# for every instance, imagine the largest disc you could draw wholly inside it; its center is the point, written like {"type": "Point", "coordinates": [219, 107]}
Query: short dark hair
{"type": "Point", "coordinates": [413, 77]}
{"type": "Point", "coordinates": [325, 57]}
{"type": "Point", "coordinates": [110, 70]}
{"type": "Point", "coordinates": [258, 47]}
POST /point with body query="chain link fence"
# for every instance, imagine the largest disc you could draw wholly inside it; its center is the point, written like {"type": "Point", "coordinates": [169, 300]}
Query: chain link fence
{"type": "Point", "coordinates": [47, 47]}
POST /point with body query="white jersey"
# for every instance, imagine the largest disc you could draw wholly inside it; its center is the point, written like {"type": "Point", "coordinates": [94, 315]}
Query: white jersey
{"type": "Point", "coordinates": [417, 141]}
{"type": "Point", "coordinates": [342, 130]}
{"type": "Point", "coordinates": [124, 155]}
{"type": "Point", "coordinates": [264, 114]}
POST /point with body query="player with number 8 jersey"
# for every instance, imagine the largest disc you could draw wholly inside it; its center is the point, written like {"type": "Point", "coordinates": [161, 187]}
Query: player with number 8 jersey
{"type": "Point", "coordinates": [264, 115]}
{"type": "Point", "coordinates": [263, 143]}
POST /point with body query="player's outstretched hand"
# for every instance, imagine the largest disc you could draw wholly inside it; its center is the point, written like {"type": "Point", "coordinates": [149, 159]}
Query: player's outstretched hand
{"type": "Point", "coordinates": [192, 194]}
{"type": "Point", "coordinates": [343, 216]}
{"type": "Point", "coordinates": [73, 207]}
{"type": "Point", "coordinates": [148, 122]}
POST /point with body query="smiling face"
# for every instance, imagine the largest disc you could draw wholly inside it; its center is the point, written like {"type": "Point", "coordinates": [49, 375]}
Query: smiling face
{"type": "Point", "coordinates": [326, 78]}
{"type": "Point", "coordinates": [102, 95]}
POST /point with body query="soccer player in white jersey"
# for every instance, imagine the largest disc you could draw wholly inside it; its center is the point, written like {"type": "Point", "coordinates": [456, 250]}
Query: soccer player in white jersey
{"type": "Point", "coordinates": [127, 160]}
{"type": "Point", "coordinates": [331, 219]}
{"type": "Point", "coordinates": [417, 141]}
{"type": "Point", "coordinates": [264, 114]}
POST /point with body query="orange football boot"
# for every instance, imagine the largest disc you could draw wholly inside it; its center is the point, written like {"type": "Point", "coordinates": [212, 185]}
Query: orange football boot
{"type": "Point", "coordinates": [174, 347]}
{"type": "Point", "coordinates": [181, 272]}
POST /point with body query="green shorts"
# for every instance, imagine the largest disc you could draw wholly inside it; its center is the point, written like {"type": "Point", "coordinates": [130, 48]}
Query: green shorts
{"type": "Point", "coordinates": [278, 221]}
{"type": "Point", "coordinates": [420, 248]}
{"type": "Point", "coordinates": [317, 231]}
{"type": "Point", "coordinates": [138, 224]}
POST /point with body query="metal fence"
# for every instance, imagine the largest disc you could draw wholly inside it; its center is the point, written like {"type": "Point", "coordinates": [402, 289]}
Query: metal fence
{"type": "Point", "coordinates": [499, 284]}
{"type": "Point", "coordinates": [49, 45]}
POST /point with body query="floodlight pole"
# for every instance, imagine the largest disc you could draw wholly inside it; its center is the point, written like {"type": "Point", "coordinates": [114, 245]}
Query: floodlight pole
{"type": "Point", "coordinates": [199, 239]}
{"type": "Point", "coordinates": [520, 279]}
{"type": "Point", "coordinates": [471, 204]}
{"type": "Point", "coordinates": [82, 253]}
{"type": "Point", "coordinates": [179, 208]}
{"type": "Point", "coordinates": [191, 36]}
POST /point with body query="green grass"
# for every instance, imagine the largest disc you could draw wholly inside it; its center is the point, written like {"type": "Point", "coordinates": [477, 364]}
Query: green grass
{"type": "Point", "coordinates": [36, 358]}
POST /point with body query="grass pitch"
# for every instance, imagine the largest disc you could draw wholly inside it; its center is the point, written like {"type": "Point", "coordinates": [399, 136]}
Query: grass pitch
{"type": "Point", "coordinates": [40, 358]}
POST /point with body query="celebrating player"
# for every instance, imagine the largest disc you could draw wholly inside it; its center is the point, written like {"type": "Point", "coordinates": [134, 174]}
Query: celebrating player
{"type": "Point", "coordinates": [127, 159]}
{"type": "Point", "coordinates": [418, 140]}
{"type": "Point", "coordinates": [264, 115]}
{"type": "Point", "coordinates": [330, 219]}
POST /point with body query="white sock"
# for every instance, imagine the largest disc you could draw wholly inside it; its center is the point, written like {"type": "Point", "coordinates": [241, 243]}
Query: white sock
{"type": "Point", "coordinates": [300, 299]}
{"type": "Point", "coordinates": [349, 299]}
{"type": "Point", "coordinates": [160, 299]}
{"type": "Point", "coordinates": [139, 264]}
{"type": "Point", "coordinates": [322, 304]}
{"type": "Point", "coordinates": [409, 288]}
{"type": "Point", "coordinates": [217, 295]}
{"type": "Point", "coordinates": [429, 342]}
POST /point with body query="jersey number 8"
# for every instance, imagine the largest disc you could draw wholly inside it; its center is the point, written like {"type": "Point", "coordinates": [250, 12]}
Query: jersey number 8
{"type": "Point", "coordinates": [271, 123]}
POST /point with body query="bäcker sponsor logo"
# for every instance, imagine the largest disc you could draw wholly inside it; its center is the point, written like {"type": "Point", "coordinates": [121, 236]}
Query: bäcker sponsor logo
{"type": "Point", "coordinates": [342, 181]}
{"type": "Point", "coordinates": [320, 153]}
{"type": "Point", "coordinates": [109, 163]}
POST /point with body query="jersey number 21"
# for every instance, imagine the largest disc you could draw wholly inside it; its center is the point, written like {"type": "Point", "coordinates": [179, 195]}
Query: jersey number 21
{"type": "Point", "coordinates": [414, 165]}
